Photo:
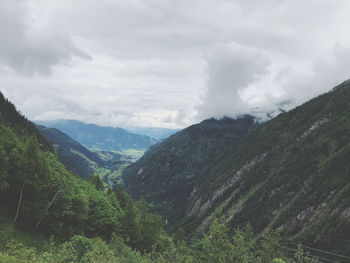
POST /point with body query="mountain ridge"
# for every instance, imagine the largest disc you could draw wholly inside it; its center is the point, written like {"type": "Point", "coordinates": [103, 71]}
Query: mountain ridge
{"type": "Point", "coordinates": [101, 137]}
{"type": "Point", "coordinates": [83, 161]}
{"type": "Point", "coordinates": [279, 175]}
{"type": "Point", "coordinates": [177, 165]}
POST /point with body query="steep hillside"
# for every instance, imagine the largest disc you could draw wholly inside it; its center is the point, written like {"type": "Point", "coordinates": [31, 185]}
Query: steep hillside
{"type": "Point", "coordinates": [291, 173]}
{"type": "Point", "coordinates": [83, 161]}
{"type": "Point", "coordinates": [39, 195]}
{"type": "Point", "coordinates": [75, 156]}
{"type": "Point", "coordinates": [40, 198]}
{"type": "Point", "coordinates": [102, 138]}
{"type": "Point", "coordinates": [38, 191]}
{"type": "Point", "coordinates": [165, 175]}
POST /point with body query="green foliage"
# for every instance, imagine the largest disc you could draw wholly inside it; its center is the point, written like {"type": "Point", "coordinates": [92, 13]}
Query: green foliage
{"type": "Point", "coordinates": [168, 171]}
{"type": "Point", "coordinates": [4, 163]}
{"type": "Point", "coordinates": [219, 246]}
{"type": "Point", "coordinates": [216, 244]}
{"type": "Point", "coordinates": [269, 247]}
{"type": "Point", "coordinates": [301, 185]}
{"type": "Point", "coordinates": [42, 195]}
{"type": "Point", "coordinates": [82, 249]}
{"type": "Point", "coordinates": [95, 180]}
{"type": "Point", "coordinates": [302, 257]}
{"type": "Point", "coordinates": [179, 236]}
{"type": "Point", "coordinates": [83, 161]}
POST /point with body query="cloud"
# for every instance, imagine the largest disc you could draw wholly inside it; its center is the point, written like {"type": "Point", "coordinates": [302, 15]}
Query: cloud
{"type": "Point", "coordinates": [231, 68]}
{"type": "Point", "coordinates": [29, 43]}
{"type": "Point", "coordinates": [167, 63]}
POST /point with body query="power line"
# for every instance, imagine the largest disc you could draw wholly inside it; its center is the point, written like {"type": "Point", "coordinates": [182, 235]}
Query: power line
{"type": "Point", "coordinates": [338, 238]}
{"type": "Point", "coordinates": [319, 250]}
{"type": "Point", "coordinates": [310, 255]}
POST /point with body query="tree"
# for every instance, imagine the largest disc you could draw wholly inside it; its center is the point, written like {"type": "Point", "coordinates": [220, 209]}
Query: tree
{"type": "Point", "coordinates": [217, 247]}
{"type": "Point", "coordinates": [269, 247]}
{"type": "Point", "coordinates": [179, 236]}
{"type": "Point", "coordinates": [3, 169]}
{"type": "Point", "coordinates": [130, 226]}
{"type": "Point", "coordinates": [96, 181]}
{"type": "Point", "coordinates": [31, 167]}
{"type": "Point", "coordinates": [302, 257]}
{"type": "Point", "coordinates": [123, 198]}
{"type": "Point", "coordinates": [243, 245]}
{"type": "Point", "coordinates": [150, 226]}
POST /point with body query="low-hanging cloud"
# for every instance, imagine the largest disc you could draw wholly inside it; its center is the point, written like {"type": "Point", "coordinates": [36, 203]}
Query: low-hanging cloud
{"type": "Point", "coordinates": [231, 68]}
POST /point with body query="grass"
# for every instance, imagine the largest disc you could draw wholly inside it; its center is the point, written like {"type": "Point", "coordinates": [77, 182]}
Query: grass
{"type": "Point", "coordinates": [116, 175]}
{"type": "Point", "coordinates": [132, 153]}
{"type": "Point", "coordinates": [11, 233]}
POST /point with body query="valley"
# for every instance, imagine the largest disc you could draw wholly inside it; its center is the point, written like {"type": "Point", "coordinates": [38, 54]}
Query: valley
{"type": "Point", "coordinates": [152, 131]}
{"type": "Point", "coordinates": [259, 188]}
{"type": "Point", "coordinates": [107, 164]}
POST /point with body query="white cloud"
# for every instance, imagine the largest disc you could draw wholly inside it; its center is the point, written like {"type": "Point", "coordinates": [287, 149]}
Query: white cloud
{"type": "Point", "coordinates": [28, 46]}
{"type": "Point", "coordinates": [168, 63]}
{"type": "Point", "coordinates": [231, 69]}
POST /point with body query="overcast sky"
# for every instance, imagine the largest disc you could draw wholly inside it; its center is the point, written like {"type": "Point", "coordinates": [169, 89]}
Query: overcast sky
{"type": "Point", "coordinates": [168, 63]}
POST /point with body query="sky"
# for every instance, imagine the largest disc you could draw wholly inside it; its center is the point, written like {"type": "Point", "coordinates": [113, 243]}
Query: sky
{"type": "Point", "coordinates": [169, 63]}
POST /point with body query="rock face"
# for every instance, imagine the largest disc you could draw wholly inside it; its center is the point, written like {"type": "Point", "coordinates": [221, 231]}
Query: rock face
{"type": "Point", "coordinates": [197, 208]}
{"type": "Point", "coordinates": [291, 173]}
{"type": "Point", "coordinates": [168, 172]}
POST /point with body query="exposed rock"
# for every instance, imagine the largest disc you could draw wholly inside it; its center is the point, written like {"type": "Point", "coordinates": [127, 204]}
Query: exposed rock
{"type": "Point", "coordinates": [237, 176]}
{"type": "Point", "coordinates": [140, 171]}
{"type": "Point", "coordinates": [313, 127]}
{"type": "Point", "coordinates": [193, 209]}
{"type": "Point", "coordinates": [197, 208]}
{"type": "Point", "coordinates": [345, 213]}
{"type": "Point", "coordinates": [303, 214]}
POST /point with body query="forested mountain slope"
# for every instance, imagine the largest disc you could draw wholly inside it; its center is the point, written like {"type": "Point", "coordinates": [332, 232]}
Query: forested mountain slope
{"type": "Point", "coordinates": [48, 214]}
{"type": "Point", "coordinates": [291, 173]}
{"type": "Point", "coordinates": [82, 160]}
{"type": "Point", "coordinates": [166, 174]}
{"type": "Point", "coordinates": [74, 155]}
{"type": "Point", "coordinates": [43, 196]}
{"type": "Point", "coordinates": [99, 137]}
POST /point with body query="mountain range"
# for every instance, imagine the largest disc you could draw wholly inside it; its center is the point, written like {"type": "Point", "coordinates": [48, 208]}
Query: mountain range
{"type": "Point", "coordinates": [291, 173]}
{"type": "Point", "coordinates": [99, 137]}
{"type": "Point", "coordinates": [289, 176]}
{"type": "Point", "coordinates": [157, 133]}
{"type": "Point", "coordinates": [83, 161]}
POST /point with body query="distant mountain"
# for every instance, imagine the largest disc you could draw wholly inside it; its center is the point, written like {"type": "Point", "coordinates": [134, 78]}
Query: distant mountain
{"type": "Point", "coordinates": [291, 173]}
{"type": "Point", "coordinates": [74, 155]}
{"type": "Point", "coordinates": [99, 137]}
{"type": "Point", "coordinates": [154, 132]}
{"type": "Point", "coordinates": [83, 161]}
{"type": "Point", "coordinates": [166, 174]}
